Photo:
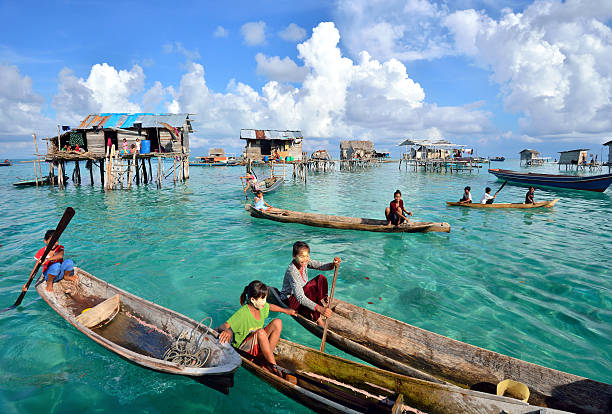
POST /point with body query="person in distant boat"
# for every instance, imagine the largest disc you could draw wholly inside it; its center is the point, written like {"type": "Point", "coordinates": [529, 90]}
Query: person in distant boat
{"type": "Point", "coordinates": [307, 297]}
{"type": "Point", "coordinates": [55, 267]}
{"type": "Point", "coordinates": [260, 203]}
{"type": "Point", "coordinates": [394, 212]}
{"type": "Point", "coordinates": [467, 196]}
{"type": "Point", "coordinates": [529, 196]}
{"type": "Point", "coordinates": [246, 325]}
{"type": "Point", "coordinates": [251, 180]}
{"type": "Point", "coordinates": [487, 198]}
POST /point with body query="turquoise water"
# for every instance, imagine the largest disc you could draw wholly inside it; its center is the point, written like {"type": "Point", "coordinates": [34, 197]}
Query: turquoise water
{"type": "Point", "coordinates": [532, 284]}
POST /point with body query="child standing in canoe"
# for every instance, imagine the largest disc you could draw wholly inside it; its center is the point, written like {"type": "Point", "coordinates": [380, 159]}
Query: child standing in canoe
{"type": "Point", "coordinates": [394, 212]}
{"type": "Point", "coordinates": [308, 298]}
{"type": "Point", "coordinates": [55, 267]}
{"type": "Point", "coordinates": [247, 324]}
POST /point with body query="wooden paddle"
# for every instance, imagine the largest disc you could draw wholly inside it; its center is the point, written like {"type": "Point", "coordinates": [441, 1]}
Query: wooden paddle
{"type": "Point", "coordinates": [331, 296]}
{"type": "Point", "coordinates": [61, 226]}
{"type": "Point", "coordinates": [502, 186]}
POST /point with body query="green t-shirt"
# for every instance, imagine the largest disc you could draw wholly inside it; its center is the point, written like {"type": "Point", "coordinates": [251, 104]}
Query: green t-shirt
{"type": "Point", "coordinates": [243, 323]}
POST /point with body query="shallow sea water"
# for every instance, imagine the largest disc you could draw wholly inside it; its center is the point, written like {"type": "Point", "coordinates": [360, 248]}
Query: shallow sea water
{"type": "Point", "coordinates": [533, 284]}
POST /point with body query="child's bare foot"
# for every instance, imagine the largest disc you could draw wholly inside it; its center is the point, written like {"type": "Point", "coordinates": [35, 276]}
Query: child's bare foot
{"type": "Point", "coordinates": [49, 288]}
{"type": "Point", "coordinates": [320, 322]}
{"type": "Point", "coordinates": [71, 278]}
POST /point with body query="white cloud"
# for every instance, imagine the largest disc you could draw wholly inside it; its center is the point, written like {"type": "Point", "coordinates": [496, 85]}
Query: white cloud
{"type": "Point", "coordinates": [403, 29]}
{"type": "Point", "coordinates": [20, 107]}
{"type": "Point", "coordinates": [106, 89]}
{"type": "Point", "coordinates": [292, 33]}
{"type": "Point", "coordinates": [153, 97]}
{"type": "Point", "coordinates": [254, 33]}
{"type": "Point", "coordinates": [221, 31]}
{"type": "Point", "coordinates": [177, 47]}
{"type": "Point", "coordinates": [281, 70]}
{"type": "Point", "coordinates": [552, 62]}
{"type": "Point", "coordinates": [337, 98]}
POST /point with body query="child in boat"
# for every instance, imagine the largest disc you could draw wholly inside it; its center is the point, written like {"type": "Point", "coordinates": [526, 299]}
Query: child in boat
{"type": "Point", "coordinates": [529, 196]}
{"type": "Point", "coordinates": [396, 208]}
{"type": "Point", "coordinates": [260, 203]}
{"type": "Point", "coordinates": [467, 196]}
{"type": "Point", "coordinates": [487, 198]}
{"type": "Point", "coordinates": [55, 267]}
{"type": "Point", "coordinates": [308, 298]}
{"type": "Point", "coordinates": [247, 324]}
{"type": "Point", "coordinates": [251, 180]}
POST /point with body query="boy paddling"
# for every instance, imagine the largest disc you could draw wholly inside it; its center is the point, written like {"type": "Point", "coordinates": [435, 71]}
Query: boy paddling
{"type": "Point", "coordinates": [55, 267]}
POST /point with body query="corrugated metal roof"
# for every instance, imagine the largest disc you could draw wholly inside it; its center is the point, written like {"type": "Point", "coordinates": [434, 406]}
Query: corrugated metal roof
{"type": "Point", "coordinates": [270, 134]}
{"type": "Point", "coordinates": [125, 120]}
{"type": "Point", "coordinates": [576, 150]}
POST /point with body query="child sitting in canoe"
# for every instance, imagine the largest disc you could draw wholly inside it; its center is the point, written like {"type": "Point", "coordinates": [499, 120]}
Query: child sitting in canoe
{"type": "Point", "coordinates": [247, 324]}
{"type": "Point", "coordinates": [55, 267]}
{"type": "Point", "coordinates": [260, 203]}
{"type": "Point", "coordinates": [487, 198]}
{"type": "Point", "coordinates": [529, 196]}
{"type": "Point", "coordinates": [308, 298]}
{"type": "Point", "coordinates": [396, 208]}
{"type": "Point", "coordinates": [467, 196]}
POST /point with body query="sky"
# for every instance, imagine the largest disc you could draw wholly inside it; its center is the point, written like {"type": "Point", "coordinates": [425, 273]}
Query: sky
{"type": "Point", "coordinates": [498, 76]}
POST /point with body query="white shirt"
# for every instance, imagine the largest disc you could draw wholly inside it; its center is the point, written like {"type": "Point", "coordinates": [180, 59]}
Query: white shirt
{"type": "Point", "coordinates": [485, 197]}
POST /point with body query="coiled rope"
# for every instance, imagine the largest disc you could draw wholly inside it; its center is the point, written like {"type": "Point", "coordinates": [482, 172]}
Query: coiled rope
{"type": "Point", "coordinates": [187, 353]}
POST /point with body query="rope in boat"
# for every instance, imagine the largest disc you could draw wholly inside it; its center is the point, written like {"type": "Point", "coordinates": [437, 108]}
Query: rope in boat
{"type": "Point", "coordinates": [187, 353]}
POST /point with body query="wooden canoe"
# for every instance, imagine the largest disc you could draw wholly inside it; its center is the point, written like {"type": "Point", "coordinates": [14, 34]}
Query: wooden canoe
{"type": "Point", "coordinates": [346, 223]}
{"type": "Point", "coordinates": [269, 184]}
{"type": "Point", "coordinates": [406, 349]}
{"type": "Point", "coordinates": [537, 204]}
{"type": "Point", "coordinates": [141, 331]}
{"type": "Point", "coordinates": [330, 384]}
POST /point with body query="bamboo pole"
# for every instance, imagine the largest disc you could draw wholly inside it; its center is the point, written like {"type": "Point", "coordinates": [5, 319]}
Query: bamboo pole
{"type": "Point", "coordinates": [129, 185]}
{"type": "Point", "coordinates": [159, 171]}
{"type": "Point", "coordinates": [174, 169]}
{"type": "Point", "coordinates": [37, 170]}
{"type": "Point", "coordinates": [331, 297]}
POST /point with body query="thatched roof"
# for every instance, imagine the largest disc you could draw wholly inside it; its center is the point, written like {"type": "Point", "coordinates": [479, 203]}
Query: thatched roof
{"type": "Point", "coordinates": [357, 145]}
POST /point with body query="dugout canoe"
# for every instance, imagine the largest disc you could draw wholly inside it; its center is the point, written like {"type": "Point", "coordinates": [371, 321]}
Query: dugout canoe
{"type": "Point", "coordinates": [399, 347]}
{"type": "Point", "coordinates": [330, 384]}
{"type": "Point", "coordinates": [537, 204]}
{"type": "Point", "coordinates": [269, 184]}
{"type": "Point", "coordinates": [597, 183]}
{"type": "Point", "coordinates": [346, 223]}
{"type": "Point", "coordinates": [140, 331]}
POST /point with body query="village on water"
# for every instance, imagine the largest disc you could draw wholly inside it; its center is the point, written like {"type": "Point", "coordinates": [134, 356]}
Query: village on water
{"type": "Point", "coordinates": [152, 266]}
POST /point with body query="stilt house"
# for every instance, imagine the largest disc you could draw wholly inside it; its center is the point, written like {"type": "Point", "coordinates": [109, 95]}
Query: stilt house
{"type": "Point", "coordinates": [574, 157]}
{"type": "Point", "coordinates": [356, 149]}
{"type": "Point", "coordinates": [530, 157]}
{"type": "Point", "coordinates": [262, 144]}
{"type": "Point", "coordinates": [609, 145]}
{"type": "Point", "coordinates": [167, 133]}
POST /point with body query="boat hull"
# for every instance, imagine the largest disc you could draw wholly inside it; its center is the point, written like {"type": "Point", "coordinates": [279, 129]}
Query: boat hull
{"type": "Point", "coordinates": [598, 183]}
{"type": "Point", "coordinates": [271, 185]}
{"type": "Point", "coordinates": [346, 223]}
{"type": "Point", "coordinates": [326, 383]}
{"type": "Point", "coordinates": [142, 331]}
{"type": "Point", "coordinates": [539, 204]}
{"type": "Point", "coordinates": [408, 350]}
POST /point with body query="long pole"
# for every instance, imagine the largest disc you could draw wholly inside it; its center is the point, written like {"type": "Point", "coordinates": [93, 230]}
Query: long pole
{"type": "Point", "coordinates": [331, 297]}
{"type": "Point", "coordinates": [37, 173]}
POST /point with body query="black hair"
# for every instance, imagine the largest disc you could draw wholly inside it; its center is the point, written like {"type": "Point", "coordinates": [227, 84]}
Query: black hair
{"type": "Point", "coordinates": [397, 192]}
{"type": "Point", "coordinates": [468, 188]}
{"type": "Point", "coordinates": [49, 234]}
{"type": "Point", "coordinates": [487, 189]}
{"type": "Point", "coordinates": [299, 246]}
{"type": "Point", "coordinates": [259, 192]}
{"type": "Point", "coordinates": [253, 290]}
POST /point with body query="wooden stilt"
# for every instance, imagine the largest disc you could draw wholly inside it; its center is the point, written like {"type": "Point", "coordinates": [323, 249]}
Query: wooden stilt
{"type": "Point", "coordinates": [150, 170]}
{"type": "Point", "coordinates": [102, 172]}
{"type": "Point", "coordinates": [144, 172]}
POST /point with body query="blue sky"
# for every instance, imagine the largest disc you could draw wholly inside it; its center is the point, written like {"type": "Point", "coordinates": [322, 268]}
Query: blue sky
{"type": "Point", "coordinates": [498, 76]}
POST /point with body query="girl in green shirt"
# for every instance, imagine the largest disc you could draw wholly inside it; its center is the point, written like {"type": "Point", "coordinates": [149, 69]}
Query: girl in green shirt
{"type": "Point", "coordinates": [246, 325]}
